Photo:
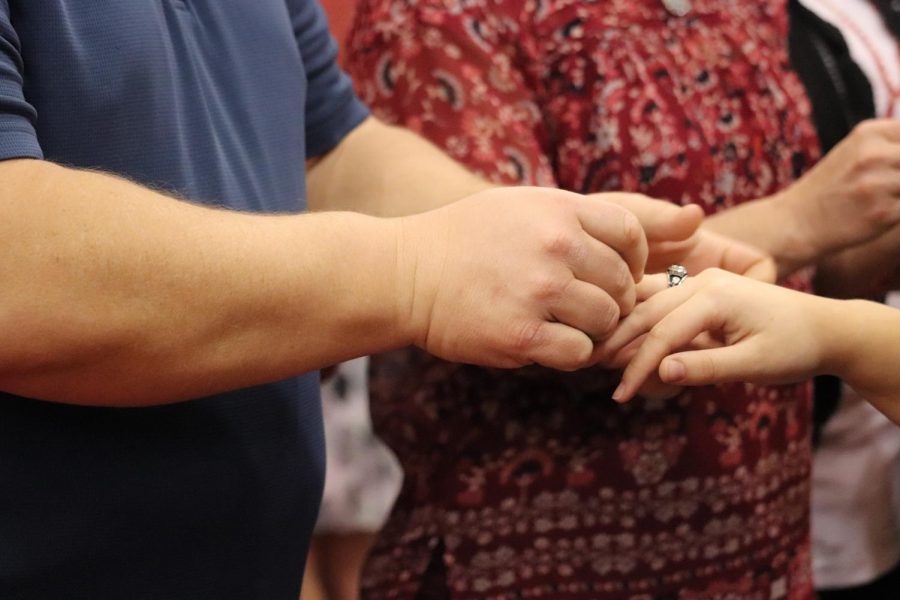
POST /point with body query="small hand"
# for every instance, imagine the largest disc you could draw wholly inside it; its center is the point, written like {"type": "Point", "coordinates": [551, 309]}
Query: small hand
{"type": "Point", "coordinates": [765, 334]}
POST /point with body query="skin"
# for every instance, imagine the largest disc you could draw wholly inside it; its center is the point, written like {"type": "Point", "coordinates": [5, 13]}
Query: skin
{"type": "Point", "coordinates": [850, 198]}
{"type": "Point", "coordinates": [720, 327]}
{"type": "Point", "coordinates": [109, 285]}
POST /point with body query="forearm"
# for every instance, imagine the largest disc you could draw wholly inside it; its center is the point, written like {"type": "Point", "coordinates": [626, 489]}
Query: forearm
{"type": "Point", "coordinates": [114, 294]}
{"type": "Point", "coordinates": [773, 225]}
{"type": "Point", "coordinates": [388, 171]}
{"type": "Point", "coordinates": [863, 348]}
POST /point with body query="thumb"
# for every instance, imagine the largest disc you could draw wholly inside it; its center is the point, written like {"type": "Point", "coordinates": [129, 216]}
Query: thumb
{"type": "Point", "coordinates": [671, 223]}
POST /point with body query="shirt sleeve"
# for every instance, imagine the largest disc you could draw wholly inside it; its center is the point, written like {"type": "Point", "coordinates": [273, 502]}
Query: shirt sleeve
{"type": "Point", "coordinates": [454, 77]}
{"type": "Point", "coordinates": [18, 138]}
{"type": "Point", "coordinates": [332, 107]}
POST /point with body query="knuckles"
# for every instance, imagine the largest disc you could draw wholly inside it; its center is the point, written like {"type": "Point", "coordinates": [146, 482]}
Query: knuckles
{"type": "Point", "coordinates": [566, 245]}
{"type": "Point", "coordinates": [527, 336]}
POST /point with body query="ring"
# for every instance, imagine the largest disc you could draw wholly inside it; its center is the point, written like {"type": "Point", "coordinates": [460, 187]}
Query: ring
{"type": "Point", "coordinates": [676, 275]}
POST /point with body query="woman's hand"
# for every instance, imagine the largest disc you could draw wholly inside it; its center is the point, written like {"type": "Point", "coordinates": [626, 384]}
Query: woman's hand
{"type": "Point", "coordinates": [715, 251]}
{"type": "Point", "coordinates": [853, 194]}
{"type": "Point", "coordinates": [765, 334]}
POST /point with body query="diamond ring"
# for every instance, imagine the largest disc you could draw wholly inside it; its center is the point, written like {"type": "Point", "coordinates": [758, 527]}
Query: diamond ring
{"type": "Point", "coordinates": [676, 275]}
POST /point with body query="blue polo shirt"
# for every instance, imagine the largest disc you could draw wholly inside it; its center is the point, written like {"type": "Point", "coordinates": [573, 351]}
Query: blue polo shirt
{"type": "Point", "coordinates": [218, 101]}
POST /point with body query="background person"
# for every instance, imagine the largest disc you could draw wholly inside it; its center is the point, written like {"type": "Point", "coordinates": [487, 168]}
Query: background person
{"type": "Point", "coordinates": [847, 54]}
{"type": "Point", "coordinates": [507, 473]}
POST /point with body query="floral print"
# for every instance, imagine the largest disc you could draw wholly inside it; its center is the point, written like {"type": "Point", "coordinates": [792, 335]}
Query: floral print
{"type": "Point", "coordinates": [533, 484]}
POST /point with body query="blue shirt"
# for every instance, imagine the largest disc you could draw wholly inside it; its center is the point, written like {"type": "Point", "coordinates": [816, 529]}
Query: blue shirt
{"type": "Point", "coordinates": [218, 101]}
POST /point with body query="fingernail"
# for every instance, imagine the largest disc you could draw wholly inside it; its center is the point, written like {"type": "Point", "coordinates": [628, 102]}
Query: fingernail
{"type": "Point", "coordinates": [619, 393]}
{"type": "Point", "coordinates": [673, 371]}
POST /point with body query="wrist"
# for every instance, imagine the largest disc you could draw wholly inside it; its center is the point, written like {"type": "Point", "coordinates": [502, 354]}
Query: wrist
{"type": "Point", "coordinates": [837, 327]}
{"type": "Point", "coordinates": [419, 257]}
{"type": "Point", "coordinates": [804, 240]}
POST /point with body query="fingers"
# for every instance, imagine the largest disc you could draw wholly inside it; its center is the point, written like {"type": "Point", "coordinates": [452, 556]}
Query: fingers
{"type": "Point", "coordinates": [673, 332]}
{"type": "Point", "coordinates": [654, 389]}
{"type": "Point", "coordinates": [708, 367]}
{"type": "Point", "coordinates": [651, 285]}
{"type": "Point", "coordinates": [662, 221]}
{"type": "Point", "coordinates": [889, 129]}
{"type": "Point", "coordinates": [602, 267]}
{"type": "Point", "coordinates": [743, 259]}
{"type": "Point", "coordinates": [558, 346]}
{"type": "Point", "coordinates": [617, 228]}
{"type": "Point", "coordinates": [646, 315]}
{"type": "Point", "coordinates": [587, 308]}
{"type": "Point", "coordinates": [663, 254]}
{"type": "Point", "coordinates": [764, 270]}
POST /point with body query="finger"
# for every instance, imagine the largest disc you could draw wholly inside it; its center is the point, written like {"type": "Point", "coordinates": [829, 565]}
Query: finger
{"type": "Point", "coordinates": [672, 333]}
{"type": "Point", "coordinates": [604, 268]}
{"type": "Point", "coordinates": [665, 222]}
{"type": "Point", "coordinates": [558, 346]}
{"type": "Point", "coordinates": [654, 389]}
{"type": "Point", "coordinates": [587, 308]}
{"type": "Point", "coordinates": [744, 259]}
{"type": "Point", "coordinates": [651, 285]}
{"type": "Point", "coordinates": [663, 254]}
{"type": "Point", "coordinates": [646, 315]}
{"type": "Point", "coordinates": [889, 129]}
{"type": "Point", "coordinates": [740, 362]}
{"type": "Point", "coordinates": [617, 228]}
{"type": "Point", "coordinates": [764, 270]}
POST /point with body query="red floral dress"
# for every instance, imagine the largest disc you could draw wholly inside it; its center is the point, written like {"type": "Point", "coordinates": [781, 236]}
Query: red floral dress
{"type": "Point", "coordinates": [533, 484]}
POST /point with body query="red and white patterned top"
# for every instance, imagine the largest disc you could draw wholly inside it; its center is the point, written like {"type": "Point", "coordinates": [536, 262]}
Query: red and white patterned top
{"type": "Point", "coordinates": [533, 484]}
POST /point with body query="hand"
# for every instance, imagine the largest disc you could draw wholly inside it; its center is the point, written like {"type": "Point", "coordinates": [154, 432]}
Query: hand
{"type": "Point", "coordinates": [674, 236]}
{"type": "Point", "coordinates": [672, 231]}
{"type": "Point", "coordinates": [512, 277]}
{"type": "Point", "coordinates": [853, 194]}
{"type": "Point", "coordinates": [716, 251]}
{"type": "Point", "coordinates": [766, 334]}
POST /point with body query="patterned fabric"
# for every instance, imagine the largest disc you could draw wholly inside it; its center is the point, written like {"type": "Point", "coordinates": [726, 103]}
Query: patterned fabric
{"type": "Point", "coordinates": [533, 484]}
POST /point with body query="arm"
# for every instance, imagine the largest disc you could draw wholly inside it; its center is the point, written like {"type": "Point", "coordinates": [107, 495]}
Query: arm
{"type": "Point", "coordinates": [384, 170]}
{"type": "Point", "coordinates": [766, 335]}
{"type": "Point", "coordinates": [109, 286]}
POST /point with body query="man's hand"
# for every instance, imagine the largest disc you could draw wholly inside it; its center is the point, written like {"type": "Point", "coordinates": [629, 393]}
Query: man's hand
{"type": "Point", "coordinates": [512, 277]}
{"type": "Point", "coordinates": [675, 236]}
{"type": "Point", "coordinates": [672, 231]}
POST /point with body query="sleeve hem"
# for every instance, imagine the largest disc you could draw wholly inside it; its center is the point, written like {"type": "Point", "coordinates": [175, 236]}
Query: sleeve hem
{"type": "Point", "coordinates": [326, 134]}
{"type": "Point", "coordinates": [19, 142]}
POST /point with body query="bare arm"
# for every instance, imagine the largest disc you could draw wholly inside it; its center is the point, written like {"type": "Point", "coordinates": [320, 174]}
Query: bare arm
{"type": "Point", "coordinates": [384, 170]}
{"type": "Point", "coordinates": [108, 286]}
{"type": "Point", "coordinates": [117, 295]}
